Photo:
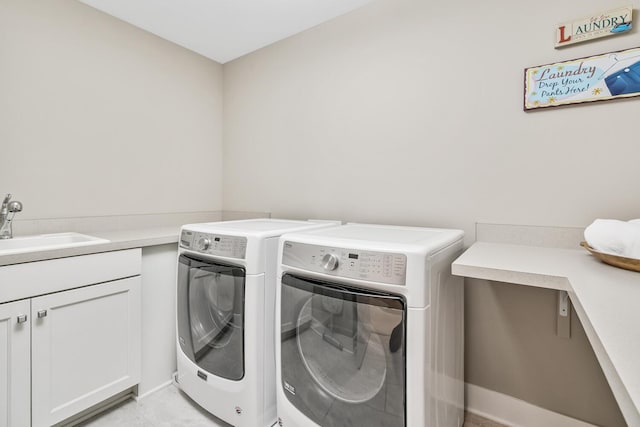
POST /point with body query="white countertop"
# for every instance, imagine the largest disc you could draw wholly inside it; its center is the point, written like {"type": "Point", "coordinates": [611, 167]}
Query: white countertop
{"type": "Point", "coordinates": [606, 299]}
{"type": "Point", "coordinates": [117, 240]}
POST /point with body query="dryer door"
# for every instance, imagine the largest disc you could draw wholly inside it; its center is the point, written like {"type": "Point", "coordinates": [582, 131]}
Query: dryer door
{"type": "Point", "coordinates": [211, 315]}
{"type": "Point", "coordinates": [343, 353]}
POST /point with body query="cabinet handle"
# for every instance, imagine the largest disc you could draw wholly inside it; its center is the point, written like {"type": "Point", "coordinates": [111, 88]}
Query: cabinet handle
{"type": "Point", "coordinates": [42, 313]}
{"type": "Point", "coordinates": [22, 318]}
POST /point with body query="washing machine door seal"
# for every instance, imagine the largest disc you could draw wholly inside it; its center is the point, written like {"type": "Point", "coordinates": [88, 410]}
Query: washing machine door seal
{"type": "Point", "coordinates": [340, 361]}
{"type": "Point", "coordinates": [211, 316]}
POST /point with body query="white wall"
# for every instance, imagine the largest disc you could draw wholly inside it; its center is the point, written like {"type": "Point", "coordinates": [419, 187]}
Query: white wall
{"type": "Point", "coordinates": [410, 111]}
{"type": "Point", "coordinates": [98, 117]}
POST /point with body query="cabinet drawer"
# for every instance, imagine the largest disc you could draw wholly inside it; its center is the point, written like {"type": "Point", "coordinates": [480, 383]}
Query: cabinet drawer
{"type": "Point", "coordinates": [30, 279]}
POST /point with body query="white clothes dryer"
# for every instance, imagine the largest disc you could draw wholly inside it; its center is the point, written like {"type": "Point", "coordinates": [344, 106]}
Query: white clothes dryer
{"type": "Point", "coordinates": [226, 287]}
{"type": "Point", "coordinates": [369, 327]}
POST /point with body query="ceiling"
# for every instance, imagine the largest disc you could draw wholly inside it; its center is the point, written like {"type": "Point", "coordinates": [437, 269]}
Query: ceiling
{"type": "Point", "coordinates": [224, 30]}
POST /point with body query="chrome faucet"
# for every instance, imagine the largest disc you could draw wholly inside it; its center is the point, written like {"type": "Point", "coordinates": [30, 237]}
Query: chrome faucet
{"type": "Point", "coordinates": [7, 212]}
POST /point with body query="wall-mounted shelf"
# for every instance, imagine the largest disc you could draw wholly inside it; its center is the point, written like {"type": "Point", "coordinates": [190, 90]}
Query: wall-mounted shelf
{"type": "Point", "coordinates": [606, 299]}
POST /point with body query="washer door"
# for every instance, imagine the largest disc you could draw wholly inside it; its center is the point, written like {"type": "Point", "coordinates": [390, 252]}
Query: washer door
{"type": "Point", "coordinates": [211, 315]}
{"type": "Point", "coordinates": [342, 353]}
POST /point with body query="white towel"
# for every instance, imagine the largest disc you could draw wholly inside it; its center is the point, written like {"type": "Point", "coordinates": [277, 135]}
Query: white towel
{"type": "Point", "coordinates": [615, 237]}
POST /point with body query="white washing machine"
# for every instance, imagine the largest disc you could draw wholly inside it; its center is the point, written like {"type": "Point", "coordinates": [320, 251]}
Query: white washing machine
{"type": "Point", "coordinates": [226, 289]}
{"type": "Point", "coordinates": [369, 322]}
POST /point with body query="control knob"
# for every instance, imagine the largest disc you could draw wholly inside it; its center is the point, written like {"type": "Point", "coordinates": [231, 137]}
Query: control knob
{"type": "Point", "coordinates": [330, 262]}
{"type": "Point", "coordinates": [204, 244]}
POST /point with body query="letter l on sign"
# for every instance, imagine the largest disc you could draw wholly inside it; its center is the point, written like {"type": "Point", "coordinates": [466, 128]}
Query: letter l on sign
{"type": "Point", "coordinates": [561, 33]}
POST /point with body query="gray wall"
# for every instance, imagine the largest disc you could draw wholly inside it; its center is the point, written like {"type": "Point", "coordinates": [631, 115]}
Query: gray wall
{"type": "Point", "coordinates": [410, 112]}
{"type": "Point", "coordinates": [98, 117]}
{"type": "Point", "coordinates": [512, 347]}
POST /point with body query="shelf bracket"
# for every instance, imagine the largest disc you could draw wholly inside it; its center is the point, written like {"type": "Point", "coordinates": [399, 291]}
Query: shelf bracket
{"type": "Point", "coordinates": [563, 326]}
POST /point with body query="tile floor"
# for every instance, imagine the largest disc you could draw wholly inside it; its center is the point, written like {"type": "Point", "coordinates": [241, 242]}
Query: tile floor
{"type": "Point", "coordinates": [170, 407]}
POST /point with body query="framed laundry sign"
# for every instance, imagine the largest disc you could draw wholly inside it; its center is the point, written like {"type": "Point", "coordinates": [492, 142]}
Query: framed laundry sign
{"type": "Point", "coordinates": [609, 23]}
{"type": "Point", "coordinates": [595, 78]}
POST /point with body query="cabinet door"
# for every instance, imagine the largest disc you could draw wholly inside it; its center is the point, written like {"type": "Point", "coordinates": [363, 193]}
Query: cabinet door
{"type": "Point", "coordinates": [85, 348]}
{"type": "Point", "coordinates": [15, 376]}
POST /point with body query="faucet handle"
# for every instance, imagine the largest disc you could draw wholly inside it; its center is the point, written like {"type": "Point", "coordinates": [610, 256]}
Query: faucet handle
{"type": "Point", "coordinates": [14, 206]}
{"type": "Point", "coordinates": [6, 199]}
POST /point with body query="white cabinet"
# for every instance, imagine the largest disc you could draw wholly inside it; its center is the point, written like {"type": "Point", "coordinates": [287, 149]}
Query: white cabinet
{"type": "Point", "coordinates": [85, 348]}
{"type": "Point", "coordinates": [15, 372]}
{"type": "Point", "coordinates": [79, 343]}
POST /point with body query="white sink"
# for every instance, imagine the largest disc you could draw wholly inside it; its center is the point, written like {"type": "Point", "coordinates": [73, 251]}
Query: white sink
{"type": "Point", "coordinates": [18, 245]}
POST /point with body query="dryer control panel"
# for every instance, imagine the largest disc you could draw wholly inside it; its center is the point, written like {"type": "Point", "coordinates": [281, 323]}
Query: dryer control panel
{"type": "Point", "coordinates": [214, 244]}
{"type": "Point", "coordinates": [383, 267]}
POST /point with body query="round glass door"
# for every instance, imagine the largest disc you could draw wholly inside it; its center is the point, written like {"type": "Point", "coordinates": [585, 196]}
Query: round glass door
{"type": "Point", "coordinates": [342, 353]}
{"type": "Point", "coordinates": [211, 316]}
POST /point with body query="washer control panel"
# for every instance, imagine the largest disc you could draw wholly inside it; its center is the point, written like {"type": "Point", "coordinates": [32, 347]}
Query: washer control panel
{"type": "Point", "coordinates": [214, 244]}
{"type": "Point", "coordinates": [383, 267]}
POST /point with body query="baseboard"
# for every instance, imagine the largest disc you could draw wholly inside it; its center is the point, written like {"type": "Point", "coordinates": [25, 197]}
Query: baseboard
{"type": "Point", "coordinates": [513, 412]}
{"type": "Point", "coordinates": [153, 390]}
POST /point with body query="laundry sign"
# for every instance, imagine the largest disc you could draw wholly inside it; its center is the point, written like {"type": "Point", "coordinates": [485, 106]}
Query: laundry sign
{"type": "Point", "coordinates": [595, 78]}
{"type": "Point", "coordinates": [603, 24]}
